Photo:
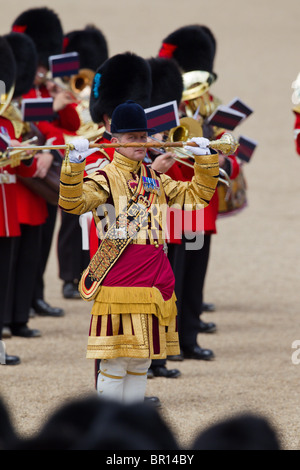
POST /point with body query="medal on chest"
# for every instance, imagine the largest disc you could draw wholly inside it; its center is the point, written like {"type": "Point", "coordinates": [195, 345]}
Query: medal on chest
{"type": "Point", "coordinates": [151, 185]}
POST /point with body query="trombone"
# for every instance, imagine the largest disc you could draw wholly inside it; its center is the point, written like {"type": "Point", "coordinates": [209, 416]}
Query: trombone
{"type": "Point", "coordinates": [182, 155]}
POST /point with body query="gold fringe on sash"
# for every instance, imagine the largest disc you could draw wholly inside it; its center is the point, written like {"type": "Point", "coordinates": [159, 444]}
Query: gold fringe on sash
{"type": "Point", "coordinates": [130, 300]}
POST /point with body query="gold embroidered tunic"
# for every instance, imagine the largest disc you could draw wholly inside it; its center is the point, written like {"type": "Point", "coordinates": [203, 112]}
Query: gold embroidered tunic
{"type": "Point", "coordinates": [134, 311]}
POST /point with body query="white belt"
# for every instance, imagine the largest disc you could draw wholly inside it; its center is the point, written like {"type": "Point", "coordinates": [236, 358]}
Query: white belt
{"type": "Point", "coordinates": [6, 178]}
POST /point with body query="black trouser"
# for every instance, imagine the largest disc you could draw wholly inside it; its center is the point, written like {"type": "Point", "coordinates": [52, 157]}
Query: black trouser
{"type": "Point", "coordinates": [45, 247]}
{"type": "Point", "coordinates": [71, 257]}
{"type": "Point", "coordinates": [7, 269]}
{"type": "Point", "coordinates": [189, 267]}
{"type": "Point", "coordinates": [24, 265]}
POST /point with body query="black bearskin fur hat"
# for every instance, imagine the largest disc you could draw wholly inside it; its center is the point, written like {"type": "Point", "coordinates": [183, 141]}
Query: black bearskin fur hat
{"type": "Point", "coordinates": [8, 64]}
{"type": "Point", "coordinates": [26, 60]}
{"type": "Point", "coordinates": [192, 47]}
{"type": "Point", "coordinates": [91, 45]}
{"type": "Point", "coordinates": [44, 27]}
{"type": "Point", "coordinates": [167, 84]}
{"type": "Point", "coordinates": [123, 77]}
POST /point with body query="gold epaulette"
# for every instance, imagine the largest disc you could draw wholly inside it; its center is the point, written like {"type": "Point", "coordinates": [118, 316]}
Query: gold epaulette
{"type": "Point", "coordinates": [13, 114]}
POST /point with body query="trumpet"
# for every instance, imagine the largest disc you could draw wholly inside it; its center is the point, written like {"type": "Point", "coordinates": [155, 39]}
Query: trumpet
{"type": "Point", "coordinates": [14, 157]}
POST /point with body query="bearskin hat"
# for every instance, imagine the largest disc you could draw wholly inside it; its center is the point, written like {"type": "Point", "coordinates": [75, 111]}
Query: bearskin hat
{"type": "Point", "coordinates": [91, 45]}
{"type": "Point", "coordinates": [191, 47]}
{"type": "Point", "coordinates": [44, 27]}
{"type": "Point", "coordinates": [167, 84]}
{"type": "Point", "coordinates": [8, 64]}
{"type": "Point", "coordinates": [120, 78]}
{"type": "Point", "coordinates": [26, 58]}
{"type": "Point", "coordinates": [212, 37]}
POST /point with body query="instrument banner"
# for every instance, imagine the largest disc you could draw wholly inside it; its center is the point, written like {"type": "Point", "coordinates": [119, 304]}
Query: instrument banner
{"type": "Point", "coordinates": [240, 106]}
{"type": "Point", "coordinates": [246, 148]}
{"type": "Point", "coordinates": [37, 109]}
{"type": "Point", "coordinates": [225, 117]}
{"type": "Point", "coordinates": [64, 65]}
{"type": "Point", "coordinates": [163, 117]}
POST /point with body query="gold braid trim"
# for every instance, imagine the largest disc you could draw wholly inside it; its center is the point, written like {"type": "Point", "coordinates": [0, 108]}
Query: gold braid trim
{"type": "Point", "coordinates": [125, 300]}
{"type": "Point", "coordinates": [111, 376]}
{"type": "Point", "coordinates": [68, 192]}
{"type": "Point", "coordinates": [76, 174]}
{"type": "Point", "coordinates": [208, 162]}
{"type": "Point", "coordinates": [136, 373]}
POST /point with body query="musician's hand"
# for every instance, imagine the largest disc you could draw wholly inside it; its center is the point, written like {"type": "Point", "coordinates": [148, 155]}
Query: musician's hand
{"type": "Point", "coordinates": [15, 143]}
{"type": "Point", "coordinates": [163, 162]}
{"type": "Point", "coordinates": [62, 99]}
{"type": "Point", "coordinates": [202, 146]}
{"type": "Point", "coordinates": [44, 161]}
{"type": "Point", "coordinates": [81, 150]}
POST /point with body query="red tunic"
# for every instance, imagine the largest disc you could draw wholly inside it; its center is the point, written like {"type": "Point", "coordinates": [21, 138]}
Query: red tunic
{"type": "Point", "coordinates": [32, 208]}
{"type": "Point", "coordinates": [297, 131]}
{"type": "Point", "coordinates": [9, 219]}
{"type": "Point", "coordinates": [68, 118]}
{"type": "Point", "coordinates": [190, 220]}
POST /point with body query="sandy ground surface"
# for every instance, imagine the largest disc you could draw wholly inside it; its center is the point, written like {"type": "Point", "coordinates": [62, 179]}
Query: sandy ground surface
{"type": "Point", "coordinates": [254, 269]}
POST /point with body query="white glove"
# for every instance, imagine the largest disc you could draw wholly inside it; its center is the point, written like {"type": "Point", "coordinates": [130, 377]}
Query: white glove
{"type": "Point", "coordinates": [81, 150]}
{"type": "Point", "coordinates": [202, 148]}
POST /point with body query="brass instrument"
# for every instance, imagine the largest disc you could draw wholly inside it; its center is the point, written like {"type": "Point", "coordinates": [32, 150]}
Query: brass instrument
{"type": "Point", "coordinates": [182, 154]}
{"type": "Point", "coordinates": [19, 153]}
{"type": "Point", "coordinates": [82, 82]}
{"type": "Point", "coordinates": [190, 128]}
{"type": "Point", "coordinates": [196, 85]}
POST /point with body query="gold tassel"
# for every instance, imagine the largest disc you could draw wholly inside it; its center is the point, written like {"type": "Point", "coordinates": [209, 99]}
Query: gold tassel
{"type": "Point", "coordinates": [66, 161]}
